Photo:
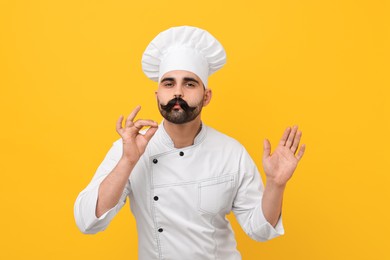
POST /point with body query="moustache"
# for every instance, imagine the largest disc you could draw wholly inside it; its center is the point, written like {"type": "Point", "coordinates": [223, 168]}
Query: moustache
{"type": "Point", "coordinates": [183, 104]}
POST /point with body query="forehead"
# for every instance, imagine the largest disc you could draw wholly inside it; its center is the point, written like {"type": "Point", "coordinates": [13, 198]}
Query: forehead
{"type": "Point", "coordinates": [180, 74]}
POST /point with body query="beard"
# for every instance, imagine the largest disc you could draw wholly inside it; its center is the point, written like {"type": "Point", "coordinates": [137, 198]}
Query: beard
{"type": "Point", "coordinates": [179, 116]}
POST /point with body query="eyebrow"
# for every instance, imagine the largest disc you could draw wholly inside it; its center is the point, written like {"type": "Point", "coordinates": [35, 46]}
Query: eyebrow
{"type": "Point", "coordinates": [167, 79]}
{"type": "Point", "coordinates": [190, 79]}
{"type": "Point", "coordinates": [186, 79]}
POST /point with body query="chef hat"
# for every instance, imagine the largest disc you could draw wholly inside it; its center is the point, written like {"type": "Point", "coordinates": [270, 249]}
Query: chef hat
{"type": "Point", "coordinates": [183, 48]}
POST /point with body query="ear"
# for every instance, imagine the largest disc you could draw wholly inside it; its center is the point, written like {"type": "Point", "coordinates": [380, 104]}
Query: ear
{"type": "Point", "coordinates": [207, 97]}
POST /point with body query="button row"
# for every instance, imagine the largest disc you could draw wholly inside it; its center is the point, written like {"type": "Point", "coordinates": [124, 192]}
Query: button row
{"type": "Point", "coordinates": [155, 161]}
{"type": "Point", "coordinates": [160, 229]}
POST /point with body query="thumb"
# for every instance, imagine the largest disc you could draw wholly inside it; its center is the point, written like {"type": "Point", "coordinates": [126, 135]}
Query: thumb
{"type": "Point", "coordinates": [150, 132]}
{"type": "Point", "coordinates": [266, 149]}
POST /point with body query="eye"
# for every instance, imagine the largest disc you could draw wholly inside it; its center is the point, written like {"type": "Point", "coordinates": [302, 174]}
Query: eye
{"type": "Point", "coordinates": [168, 84]}
{"type": "Point", "coordinates": [190, 84]}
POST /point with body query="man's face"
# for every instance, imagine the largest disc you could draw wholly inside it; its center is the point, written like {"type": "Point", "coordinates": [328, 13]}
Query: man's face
{"type": "Point", "coordinates": [181, 96]}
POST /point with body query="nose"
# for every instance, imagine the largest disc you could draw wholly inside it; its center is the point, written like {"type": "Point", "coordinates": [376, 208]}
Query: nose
{"type": "Point", "coordinates": [178, 92]}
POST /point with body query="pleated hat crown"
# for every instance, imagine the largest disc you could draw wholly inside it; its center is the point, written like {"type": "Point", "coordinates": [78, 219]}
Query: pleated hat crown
{"type": "Point", "coordinates": [183, 48]}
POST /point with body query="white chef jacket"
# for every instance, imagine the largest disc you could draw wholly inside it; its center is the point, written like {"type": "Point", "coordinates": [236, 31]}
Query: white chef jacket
{"type": "Point", "coordinates": [180, 198]}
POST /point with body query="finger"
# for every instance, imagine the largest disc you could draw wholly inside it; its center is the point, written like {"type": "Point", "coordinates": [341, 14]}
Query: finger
{"type": "Point", "coordinates": [139, 124]}
{"type": "Point", "coordinates": [266, 149]}
{"type": "Point", "coordinates": [119, 124]}
{"type": "Point", "coordinates": [132, 115]}
{"type": "Point", "coordinates": [301, 152]}
{"type": "Point", "coordinates": [295, 144]}
{"type": "Point", "coordinates": [285, 136]}
{"type": "Point", "coordinates": [291, 136]}
{"type": "Point", "coordinates": [150, 132]}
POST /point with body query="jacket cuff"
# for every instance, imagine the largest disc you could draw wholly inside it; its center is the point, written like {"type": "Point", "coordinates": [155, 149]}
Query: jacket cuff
{"type": "Point", "coordinates": [262, 230]}
{"type": "Point", "coordinates": [89, 223]}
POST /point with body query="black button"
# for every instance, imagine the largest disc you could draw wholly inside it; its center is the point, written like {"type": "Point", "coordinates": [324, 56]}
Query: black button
{"type": "Point", "coordinates": [155, 161]}
{"type": "Point", "coordinates": [155, 198]}
{"type": "Point", "coordinates": [160, 230]}
{"type": "Point", "coordinates": [181, 153]}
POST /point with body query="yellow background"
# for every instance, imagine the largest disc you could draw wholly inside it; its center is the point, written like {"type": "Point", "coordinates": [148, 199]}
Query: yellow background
{"type": "Point", "coordinates": [68, 69]}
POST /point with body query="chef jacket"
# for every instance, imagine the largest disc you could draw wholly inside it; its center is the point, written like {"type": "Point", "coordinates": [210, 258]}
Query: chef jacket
{"type": "Point", "coordinates": [180, 197]}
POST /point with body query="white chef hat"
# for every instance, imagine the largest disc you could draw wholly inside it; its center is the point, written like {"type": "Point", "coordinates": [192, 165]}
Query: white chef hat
{"type": "Point", "coordinates": [183, 48]}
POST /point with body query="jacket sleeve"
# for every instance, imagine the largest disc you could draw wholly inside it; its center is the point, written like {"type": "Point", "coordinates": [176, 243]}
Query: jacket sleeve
{"type": "Point", "coordinates": [85, 205]}
{"type": "Point", "coordinates": [247, 206]}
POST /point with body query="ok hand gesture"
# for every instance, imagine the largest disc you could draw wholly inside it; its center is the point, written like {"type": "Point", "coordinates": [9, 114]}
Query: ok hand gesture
{"type": "Point", "coordinates": [280, 165]}
{"type": "Point", "coordinates": [134, 143]}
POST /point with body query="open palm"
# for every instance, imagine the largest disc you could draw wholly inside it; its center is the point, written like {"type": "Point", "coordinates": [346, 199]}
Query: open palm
{"type": "Point", "coordinates": [281, 164]}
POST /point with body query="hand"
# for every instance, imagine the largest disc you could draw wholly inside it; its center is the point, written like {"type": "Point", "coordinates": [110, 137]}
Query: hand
{"type": "Point", "coordinates": [281, 164]}
{"type": "Point", "coordinates": [134, 143]}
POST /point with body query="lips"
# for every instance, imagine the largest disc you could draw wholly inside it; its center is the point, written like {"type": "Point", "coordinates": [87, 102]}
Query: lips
{"type": "Point", "coordinates": [177, 103]}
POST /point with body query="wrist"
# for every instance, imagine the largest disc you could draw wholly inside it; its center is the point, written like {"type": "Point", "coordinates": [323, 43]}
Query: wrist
{"type": "Point", "coordinates": [124, 160]}
{"type": "Point", "coordinates": [275, 185]}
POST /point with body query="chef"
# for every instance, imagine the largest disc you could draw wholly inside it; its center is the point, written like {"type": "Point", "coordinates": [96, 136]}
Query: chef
{"type": "Point", "coordinates": [183, 177]}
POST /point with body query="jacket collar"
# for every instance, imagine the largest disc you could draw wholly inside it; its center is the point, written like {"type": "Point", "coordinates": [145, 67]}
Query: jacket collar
{"type": "Point", "coordinates": [166, 139]}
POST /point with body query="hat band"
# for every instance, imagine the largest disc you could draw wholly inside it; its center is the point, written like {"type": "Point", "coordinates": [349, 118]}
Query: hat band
{"type": "Point", "coordinates": [181, 58]}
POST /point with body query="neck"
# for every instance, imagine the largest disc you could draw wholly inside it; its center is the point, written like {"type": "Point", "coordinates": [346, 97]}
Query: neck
{"type": "Point", "coordinates": [183, 135]}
